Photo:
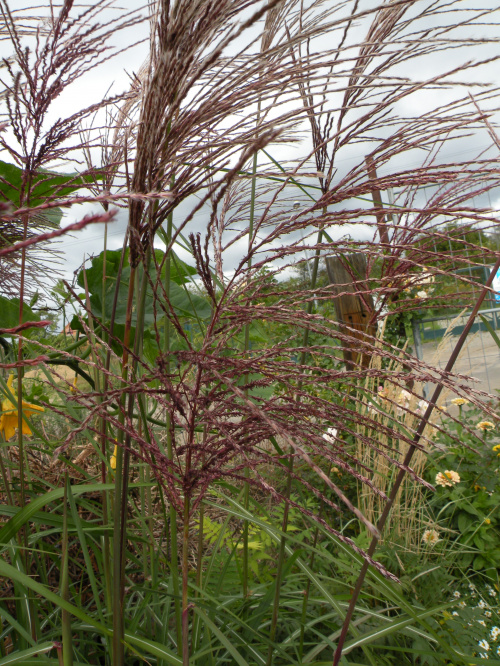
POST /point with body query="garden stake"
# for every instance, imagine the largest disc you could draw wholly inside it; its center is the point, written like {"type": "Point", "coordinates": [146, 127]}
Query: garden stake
{"type": "Point", "coordinates": [399, 479]}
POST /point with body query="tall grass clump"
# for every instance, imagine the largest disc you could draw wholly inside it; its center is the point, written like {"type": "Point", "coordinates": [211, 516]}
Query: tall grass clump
{"type": "Point", "coordinates": [210, 481]}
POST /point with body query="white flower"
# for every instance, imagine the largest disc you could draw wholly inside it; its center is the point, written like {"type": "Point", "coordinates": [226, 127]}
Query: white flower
{"type": "Point", "coordinates": [481, 604]}
{"type": "Point", "coordinates": [455, 613]}
{"type": "Point", "coordinates": [482, 623]}
{"type": "Point", "coordinates": [421, 294]}
{"type": "Point", "coordinates": [484, 645]}
{"type": "Point", "coordinates": [491, 591]}
{"type": "Point", "coordinates": [457, 594]}
{"type": "Point", "coordinates": [462, 604]}
{"type": "Point", "coordinates": [495, 633]}
{"type": "Point", "coordinates": [448, 478]}
{"type": "Point", "coordinates": [330, 435]}
{"type": "Point", "coordinates": [422, 406]}
{"type": "Point", "coordinates": [403, 400]}
{"type": "Point", "coordinates": [430, 538]}
{"type": "Point", "coordinates": [487, 613]}
{"type": "Point", "coordinates": [426, 278]}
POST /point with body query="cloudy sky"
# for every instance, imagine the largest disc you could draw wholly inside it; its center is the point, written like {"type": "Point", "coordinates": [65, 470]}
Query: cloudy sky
{"type": "Point", "coordinates": [113, 77]}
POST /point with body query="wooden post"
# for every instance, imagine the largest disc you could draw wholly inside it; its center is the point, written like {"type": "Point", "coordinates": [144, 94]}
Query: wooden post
{"type": "Point", "coordinates": [349, 280]}
{"type": "Point", "coordinates": [348, 277]}
{"type": "Point", "coordinates": [377, 204]}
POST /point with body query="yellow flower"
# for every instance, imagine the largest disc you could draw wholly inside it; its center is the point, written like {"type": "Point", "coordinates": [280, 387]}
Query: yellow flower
{"type": "Point", "coordinates": [487, 521]}
{"type": "Point", "coordinates": [459, 401]}
{"type": "Point", "coordinates": [112, 460]}
{"type": "Point", "coordinates": [9, 419]}
{"type": "Point", "coordinates": [496, 448]}
{"type": "Point", "coordinates": [448, 478]}
{"type": "Point", "coordinates": [485, 425]}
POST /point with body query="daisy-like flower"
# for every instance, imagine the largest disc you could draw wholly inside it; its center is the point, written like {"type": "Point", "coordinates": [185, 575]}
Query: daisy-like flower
{"type": "Point", "coordinates": [459, 401]}
{"type": "Point", "coordinates": [492, 592]}
{"type": "Point", "coordinates": [455, 613]}
{"type": "Point", "coordinates": [484, 645]}
{"type": "Point", "coordinates": [482, 623]}
{"type": "Point", "coordinates": [430, 538]}
{"type": "Point", "coordinates": [462, 604]}
{"type": "Point", "coordinates": [487, 614]}
{"type": "Point", "coordinates": [481, 604]}
{"type": "Point", "coordinates": [485, 425]}
{"type": "Point", "coordinates": [421, 294]}
{"type": "Point", "coordinates": [494, 633]}
{"type": "Point", "coordinates": [457, 594]}
{"type": "Point", "coordinates": [9, 414]}
{"type": "Point", "coordinates": [447, 478]}
{"type": "Point", "coordinates": [330, 435]}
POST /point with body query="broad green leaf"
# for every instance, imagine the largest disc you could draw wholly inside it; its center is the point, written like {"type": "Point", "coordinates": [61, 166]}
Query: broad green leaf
{"type": "Point", "coordinates": [47, 184]}
{"type": "Point", "coordinates": [9, 313]}
{"type": "Point", "coordinates": [185, 303]}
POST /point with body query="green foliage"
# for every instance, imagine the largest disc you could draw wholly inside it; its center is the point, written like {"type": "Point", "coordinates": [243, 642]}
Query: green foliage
{"type": "Point", "coordinates": [185, 303]}
{"type": "Point", "coordinates": [472, 624]}
{"type": "Point", "coordinates": [469, 507]}
{"type": "Point", "coordinates": [9, 318]}
{"type": "Point", "coordinates": [262, 549]}
{"type": "Point", "coordinates": [10, 310]}
{"type": "Point", "coordinates": [44, 185]}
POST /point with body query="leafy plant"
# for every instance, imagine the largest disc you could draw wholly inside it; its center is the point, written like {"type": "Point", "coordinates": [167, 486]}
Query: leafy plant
{"type": "Point", "coordinates": [469, 505]}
